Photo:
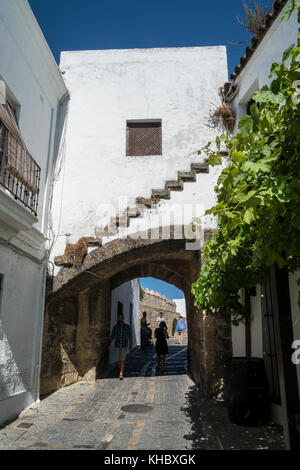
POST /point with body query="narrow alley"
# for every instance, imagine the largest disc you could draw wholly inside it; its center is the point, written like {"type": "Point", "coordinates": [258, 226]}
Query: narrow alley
{"type": "Point", "coordinates": [144, 411]}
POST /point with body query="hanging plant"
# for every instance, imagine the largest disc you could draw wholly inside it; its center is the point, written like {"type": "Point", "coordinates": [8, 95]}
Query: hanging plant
{"type": "Point", "coordinates": [224, 115]}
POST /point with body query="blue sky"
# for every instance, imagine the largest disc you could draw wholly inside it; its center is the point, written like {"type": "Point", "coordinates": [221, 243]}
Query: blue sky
{"type": "Point", "coordinates": [168, 290]}
{"type": "Point", "coordinates": [121, 24]}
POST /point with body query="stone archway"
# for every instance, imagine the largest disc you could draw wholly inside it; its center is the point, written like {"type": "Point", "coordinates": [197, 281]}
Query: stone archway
{"type": "Point", "coordinates": [77, 319]}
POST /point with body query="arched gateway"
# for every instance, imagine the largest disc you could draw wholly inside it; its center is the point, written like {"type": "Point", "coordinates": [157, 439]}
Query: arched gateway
{"type": "Point", "coordinates": [77, 319]}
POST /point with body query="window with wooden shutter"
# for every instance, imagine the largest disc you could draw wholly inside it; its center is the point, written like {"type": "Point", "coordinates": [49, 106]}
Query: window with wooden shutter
{"type": "Point", "coordinates": [144, 138]}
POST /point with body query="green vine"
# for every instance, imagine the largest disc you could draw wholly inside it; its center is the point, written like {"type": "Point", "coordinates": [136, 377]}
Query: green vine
{"type": "Point", "coordinates": [258, 193]}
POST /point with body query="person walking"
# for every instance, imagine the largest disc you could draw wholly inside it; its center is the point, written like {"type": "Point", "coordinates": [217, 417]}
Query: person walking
{"type": "Point", "coordinates": [161, 346]}
{"type": "Point", "coordinates": [159, 319]}
{"type": "Point", "coordinates": [180, 329]}
{"type": "Point", "coordinates": [122, 335]}
{"type": "Point", "coordinates": [144, 333]}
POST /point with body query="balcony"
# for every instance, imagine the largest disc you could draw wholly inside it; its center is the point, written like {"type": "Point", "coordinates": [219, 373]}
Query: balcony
{"type": "Point", "coordinates": [19, 173]}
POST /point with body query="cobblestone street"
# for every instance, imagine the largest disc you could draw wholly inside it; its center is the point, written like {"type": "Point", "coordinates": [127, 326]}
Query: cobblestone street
{"type": "Point", "coordinates": [144, 411]}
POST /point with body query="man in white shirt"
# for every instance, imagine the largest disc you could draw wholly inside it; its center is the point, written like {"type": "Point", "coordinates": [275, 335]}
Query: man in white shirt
{"type": "Point", "coordinates": [159, 319]}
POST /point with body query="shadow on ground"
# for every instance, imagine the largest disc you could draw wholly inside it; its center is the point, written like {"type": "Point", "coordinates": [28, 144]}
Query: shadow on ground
{"type": "Point", "coordinates": [209, 418]}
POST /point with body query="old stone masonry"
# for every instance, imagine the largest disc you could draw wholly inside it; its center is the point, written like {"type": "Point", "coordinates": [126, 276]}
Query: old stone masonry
{"type": "Point", "coordinates": [93, 208]}
{"type": "Point", "coordinates": [144, 411]}
{"type": "Point", "coordinates": [153, 304]}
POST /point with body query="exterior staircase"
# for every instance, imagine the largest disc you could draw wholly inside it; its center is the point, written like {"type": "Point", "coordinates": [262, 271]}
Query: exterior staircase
{"type": "Point", "coordinates": [123, 220]}
{"type": "Point", "coordinates": [129, 213]}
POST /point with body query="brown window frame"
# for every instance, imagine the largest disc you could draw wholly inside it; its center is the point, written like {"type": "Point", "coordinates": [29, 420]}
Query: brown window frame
{"type": "Point", "coordinates": [158, 122]}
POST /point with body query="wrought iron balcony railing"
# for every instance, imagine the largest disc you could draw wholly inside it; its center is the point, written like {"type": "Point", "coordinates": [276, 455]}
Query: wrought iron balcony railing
{"type": "Point", "coordinates": [19, 173]}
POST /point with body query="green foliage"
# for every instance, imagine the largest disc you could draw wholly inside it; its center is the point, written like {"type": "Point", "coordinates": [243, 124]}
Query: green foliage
{"type": "Point", "coordinates": [142, 293]}
{"type": "Point", "coordinates": [258, 194]}
{"type": "Point", "coordinates": [289, 10]}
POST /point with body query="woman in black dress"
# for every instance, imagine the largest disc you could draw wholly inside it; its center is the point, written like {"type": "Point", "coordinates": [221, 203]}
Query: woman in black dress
{"type": "Point", "coordinates": [161, 347]}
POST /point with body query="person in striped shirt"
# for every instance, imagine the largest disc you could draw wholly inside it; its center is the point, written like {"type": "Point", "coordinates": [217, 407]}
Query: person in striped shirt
{"type": "Point", "coordinates": [122, 335]}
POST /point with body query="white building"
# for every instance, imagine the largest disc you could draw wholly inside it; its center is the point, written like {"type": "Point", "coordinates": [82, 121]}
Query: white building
{"type": "Point", "coordinates": [136, 118]}
{"type": "Point", "coordinates": [180, 306]}
{"type": "Point", "coordinates": [32, 110]}
{"type": "Point", "coordinates": [249, 77]}
{"type": "Point", "coordinates": [126, 299]}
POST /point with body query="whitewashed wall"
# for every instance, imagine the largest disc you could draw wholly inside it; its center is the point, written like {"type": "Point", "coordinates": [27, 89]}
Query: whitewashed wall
{"type": "Point", "coordinates": [256, 324]}
{"type": "Point", "coordinates": [19, 331]}
{"type": "Point", "coordinates": [127, 293]}
{"type": "Point", "coordinates": [238, 340]}
{"type": "Point", "coordinates": [178, 86]}
{"type": "Point", "coordinates": [239, 332]}
{"type": "Point", "coordinates": [256, 72]}
{"type": "Point", "coordinates": [35, 87]}
{"type": "Point", "coordinates": [180, 306]}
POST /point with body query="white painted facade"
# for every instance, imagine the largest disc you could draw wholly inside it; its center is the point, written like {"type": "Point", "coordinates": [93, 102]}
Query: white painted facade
{"type": "Point", "coordinates": [109, 88]}
{"type": "Point", "coordinates": [180, 306]}
{"type": "Point", "coordinates": [128, 294]}
{"type": "Point", "coordinates": [254, 75]}
{"type": "Point", "coordinates": [35, 87]}
{"type": "Point", "coordinates": [256, 72]}
{"type": "Point", "coordinates": [179, 86]}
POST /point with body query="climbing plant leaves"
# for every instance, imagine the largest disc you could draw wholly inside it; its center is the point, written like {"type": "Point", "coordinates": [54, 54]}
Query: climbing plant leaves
{"type": "Point", "coordinates": [258, 193]}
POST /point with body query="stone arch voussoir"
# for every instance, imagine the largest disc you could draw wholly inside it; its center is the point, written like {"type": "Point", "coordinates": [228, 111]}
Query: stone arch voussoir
{"type": "Point", "coordinates": [79, 339]}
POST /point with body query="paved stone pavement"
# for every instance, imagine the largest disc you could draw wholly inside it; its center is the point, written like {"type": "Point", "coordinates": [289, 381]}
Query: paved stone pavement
{"type": "Point", "coordinates": [164, 412]}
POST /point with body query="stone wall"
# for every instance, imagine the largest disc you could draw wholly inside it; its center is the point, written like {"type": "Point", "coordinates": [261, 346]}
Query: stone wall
{"type": "Point", "coordinates": [78, 313]}
{"type": "Point", "coordinates": [76, 333]}
{"type": "Point", "coordinates": [153, 303]}
{"type": "Point", "coordinates": [59, 345]}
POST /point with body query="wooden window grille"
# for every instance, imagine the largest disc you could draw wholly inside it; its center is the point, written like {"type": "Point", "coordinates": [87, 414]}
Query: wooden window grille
{"type": "Point", "coordinates": [144, 138]}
